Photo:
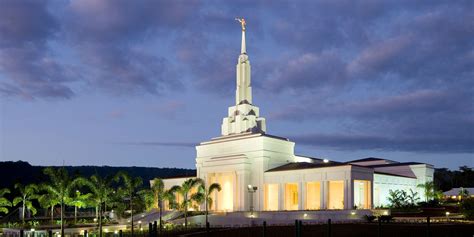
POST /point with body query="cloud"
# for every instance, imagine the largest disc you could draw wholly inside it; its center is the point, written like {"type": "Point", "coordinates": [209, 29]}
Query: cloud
{"type": "Point", "coordinates": [424, 120]}
{"type": "Point", "coordinates": [170, 109]}
{"type": "Point", "coordinates": [431, 144]}
{"type": "Point", "coordinates": [165, 144]}
{"type": "Point", "coordinates": [27, 67]}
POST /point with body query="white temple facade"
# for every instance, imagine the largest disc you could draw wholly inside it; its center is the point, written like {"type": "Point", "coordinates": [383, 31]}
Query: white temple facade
{"type": "Point", "coordinates": [261, 172]}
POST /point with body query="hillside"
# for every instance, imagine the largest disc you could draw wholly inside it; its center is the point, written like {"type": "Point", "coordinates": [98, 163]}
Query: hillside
{"type": "Point", "coordinates": [12, 172]}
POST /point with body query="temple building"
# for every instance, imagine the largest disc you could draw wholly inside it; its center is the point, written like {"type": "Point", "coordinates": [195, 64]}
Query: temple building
{"type": "Point", "coordinates": [260, 172]}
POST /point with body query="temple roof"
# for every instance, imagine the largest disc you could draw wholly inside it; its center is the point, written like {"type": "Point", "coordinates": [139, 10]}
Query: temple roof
{"type": "Point", "coordinates": [306, 165]}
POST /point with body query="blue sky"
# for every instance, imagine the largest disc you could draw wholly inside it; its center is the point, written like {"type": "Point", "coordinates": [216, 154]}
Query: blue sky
{"type": "Point", "coordinates": [140, 82]}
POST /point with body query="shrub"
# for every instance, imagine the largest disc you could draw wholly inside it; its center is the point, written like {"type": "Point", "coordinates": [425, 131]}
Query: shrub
{"type": "Point", "coordinates": [369, 218]}
{"type": "Point", "coordinates": [430, 203]}
{"type": "Point", "coordinates": [467, 208]}
{"type": "Point", "coordinates": [385, 218]}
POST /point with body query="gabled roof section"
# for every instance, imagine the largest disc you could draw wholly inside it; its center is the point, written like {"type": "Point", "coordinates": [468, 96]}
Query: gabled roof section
{"type": "Point", "coordinates": [397, 164]}
{"type": "Point", "coordinates": [456, 191]}
{"type": "Point", "coordinates": [367, 159]}
{"type": "Point", "coordinates": [305, 165]}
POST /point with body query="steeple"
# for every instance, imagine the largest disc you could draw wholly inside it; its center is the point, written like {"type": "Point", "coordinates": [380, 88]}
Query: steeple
{"type": "Point", "coordinates": [243, 93]}
{"type": "Point", "coordinates": [244, 116]}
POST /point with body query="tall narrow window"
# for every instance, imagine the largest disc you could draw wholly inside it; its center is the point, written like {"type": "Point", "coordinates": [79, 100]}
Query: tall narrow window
{"type": "Point", "coordinates": [291, 196]}
{"type": "Point", "coordinates": [336, 195]}
{"type": "Point", "coordinates": [313, 196]}
{"type": "Point", "coordinates": [271, 197]}
{"type": "Point", "coordinates": [362, 194]}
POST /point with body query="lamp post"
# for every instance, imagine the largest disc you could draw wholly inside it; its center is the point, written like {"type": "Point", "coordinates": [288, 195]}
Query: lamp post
{"type": "Point", "coordinates": [251, 189]}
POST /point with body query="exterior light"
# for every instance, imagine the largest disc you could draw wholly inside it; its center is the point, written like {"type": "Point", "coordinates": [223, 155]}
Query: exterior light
{"type": "Point", "coordinates": [106, 230]}
{"type": "Point", "coordinates": [139, 222]}
{"type": "Point", "coordinates": [447, 213]}
{"type": "Point", "coordinates": [252, 216]}
{"type": "Point", "coordinates": [385, 213]}
{"type": "Point", "coordinates": [32, 230]}
{"type": "Point", "coordinates": [305, 215]}
{"type": "Point", "coordinates": [95, 219]}
{"type": "Point", "coordinates": [249, 187]}
{"type": "Point", "coordinates": [115, 232]}
{"type": "Point", "coordinates": [353, 213]}
{"type": "Point", "coordinates": [326, 161]}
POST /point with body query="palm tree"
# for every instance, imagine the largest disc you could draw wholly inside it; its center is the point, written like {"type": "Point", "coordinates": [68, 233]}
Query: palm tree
{"type": "Point", "coordinates": [129, 188]}
{"type": "Point", "coordinates": [429, 190]}
{"type": "Point", "coordinates": [60, 187]}
{"type": "Point", "coordinates": [79, 201]}
{"type": "Point", "coordinates": [48, 200]}
{"type": "Point", "coordinates": [156, 197]}
{"type": "Point", "coordinates": [463, 193]}
{"type": "Point", "coordinates": [102, 192]}
{"type": "Point", "coordinates": [184, 190]}
{"type": "Point", "coordinates": [4, 202]}
{"type": "Point", "coordinates": [27, 194]}
{"type": "Point", "coordinates": [204, 195]}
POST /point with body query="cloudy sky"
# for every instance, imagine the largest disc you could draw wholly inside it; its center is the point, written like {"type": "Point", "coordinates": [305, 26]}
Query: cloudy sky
{"type": "Point", "coordinates": [141, 82]}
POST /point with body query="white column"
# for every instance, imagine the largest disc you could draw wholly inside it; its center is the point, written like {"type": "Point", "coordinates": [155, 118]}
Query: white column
{"type": "Point", "coordinates": [236, 192]}
{"type": "Point", "coordinates": [324, 194]}
{"type": "Point", "coordinates": [301, 196]}
{"type": "Point", "coordinates": [281, 196]}
{"type": "Point", "coordinates": [348, 194]}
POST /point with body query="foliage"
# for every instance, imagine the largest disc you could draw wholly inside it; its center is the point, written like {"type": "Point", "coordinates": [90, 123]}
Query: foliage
{"type": "Point", "coordinates": [429, 190]}
{"type": "Point", "coordinates": [102, 193]}
{"type": "Point", "coordinates": [204, 195]}
{"type": "Point", "coordinates": [400, 199]}
{"type": "Point", "coordinates": [369, 218]}
{"type": "Point", "coordinates": [185, 191]}
{"type": "Point", "coordinates": [385, 218]}
{"type": "Point", "coordinates": [447, 179]}
{"type": "Point", "coordinates": [4, 202]}
{"type": "Point", "coordinates": [129, 189]}
{"type": "Point", "coordinates": [60, 187]}
{"type": "Point", "coordinates": [467, 208]}
{"type": "Point", "coordinates": [430, 203]}
{"type": "Point", "coordinates": [463, 193]}
{"type": "Point", "coordinates": [27, 194]}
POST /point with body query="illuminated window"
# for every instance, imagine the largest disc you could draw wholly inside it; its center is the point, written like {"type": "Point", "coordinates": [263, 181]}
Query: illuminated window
{"type": "Point", "coordinates": [291, 196]}
{"type": "Point", "coordinates": [271, 197]}
{"type": "Point", "coordinates": [362, 194]}
{"type": "Point", "coordinates": [313, 196]}
{"type": "Point", "coordinates": [336, 195]}
{"type": "Point", "coordinates": [225, 198]}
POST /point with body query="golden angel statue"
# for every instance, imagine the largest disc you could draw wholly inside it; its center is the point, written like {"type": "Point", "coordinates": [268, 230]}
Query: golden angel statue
{"type": "Point", "coordinates": [242, 22]}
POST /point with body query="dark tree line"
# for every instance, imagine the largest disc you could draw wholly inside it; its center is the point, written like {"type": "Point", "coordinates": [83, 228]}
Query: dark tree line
{"type": "Point", "coordinates": [446, 179]}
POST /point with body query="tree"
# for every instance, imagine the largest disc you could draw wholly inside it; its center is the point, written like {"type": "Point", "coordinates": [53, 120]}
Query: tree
{"type": "Point", "coordinates": [463, 193]}
{"type": "Point", "coordinates": [184, 190]}
{"type": "Point", "coordinates": [129, 188]}
{"type": "Point", "coordinates": [27, 194]}
{"type": "Point", "coordinates": [4, 202]}
{"type": "Point", "coordinates": [48, 200]}
{"type": "Point", "coordinates": [102, 192]}
{"type": "Point", "coordinates": [155, 196]}
{"type": "Point", "coordinates": [204, 195]}
{"type": "Point", "coordinates": [79, 200]}
{"type": "Point", "coordinates": [60, 187]}
{"type": "Point", "coordinates": [429, 189]}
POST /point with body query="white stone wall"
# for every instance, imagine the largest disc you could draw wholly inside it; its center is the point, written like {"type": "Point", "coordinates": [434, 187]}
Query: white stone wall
{"type": "Point", "coordinates": [248, 156]}
{"type": "Point", "coordinates": [346, 173]}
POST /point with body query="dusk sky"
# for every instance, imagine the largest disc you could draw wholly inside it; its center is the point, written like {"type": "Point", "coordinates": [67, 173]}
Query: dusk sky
{"type": "Point", "coordinates": [139, 83]}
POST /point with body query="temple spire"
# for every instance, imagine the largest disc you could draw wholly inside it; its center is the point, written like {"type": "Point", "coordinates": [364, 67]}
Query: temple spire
{"type": "Point", "coordinates": [244, 116]}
